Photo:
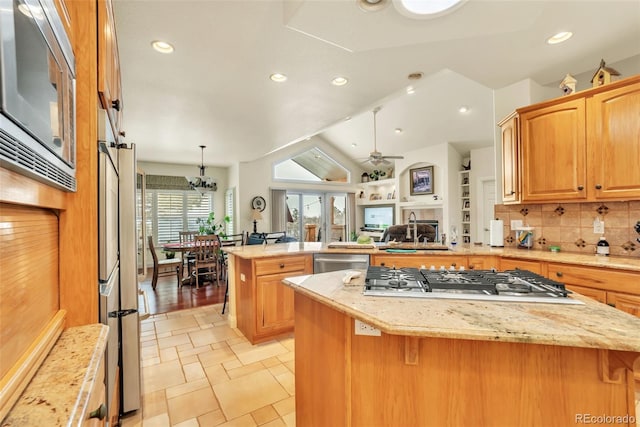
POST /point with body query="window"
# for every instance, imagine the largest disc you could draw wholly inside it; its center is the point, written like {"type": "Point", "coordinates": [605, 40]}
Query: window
{"type": "Point", "coordinates": [172, 211]}
{"type": "Point", "coordinates": [312, 165]}
{"type": "Point", "coordinates": [229, 197]}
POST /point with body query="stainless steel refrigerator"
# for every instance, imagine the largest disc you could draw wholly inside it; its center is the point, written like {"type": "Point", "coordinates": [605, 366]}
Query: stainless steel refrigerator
{"type": "Point", "coordinates": [118, 284]}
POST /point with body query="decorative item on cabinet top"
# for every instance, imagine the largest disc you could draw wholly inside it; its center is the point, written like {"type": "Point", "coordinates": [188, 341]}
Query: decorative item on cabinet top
{"type": "Point", "coordinates": [568, 84]}
{"type": "Point", "coordinates": [603, 75]}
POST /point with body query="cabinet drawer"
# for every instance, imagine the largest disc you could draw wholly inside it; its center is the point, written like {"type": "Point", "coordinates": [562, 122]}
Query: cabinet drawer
{"type": "Point", "coordinates": [596, 294]}
{"type": "Point", "coordinates": [592, 277]}
{"type": "Point", "coordinates": [625, 302]}
{"type": "Point", "coordinates": [281, 265]}
{"type": "Point", "coordinates": [513, 264]}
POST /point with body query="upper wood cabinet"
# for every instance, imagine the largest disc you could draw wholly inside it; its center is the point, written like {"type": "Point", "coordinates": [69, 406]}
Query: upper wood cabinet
{"type": "Point", "coordinates": [109, 85]}
{"type": "Point", "coordinates": [510, 159]}
{"type": "Point", "coordinates": [613, 142]}
{"type": "Point", "coordinates": [582, 147]}
{"type": "Point", "coordinates": [553, 142]}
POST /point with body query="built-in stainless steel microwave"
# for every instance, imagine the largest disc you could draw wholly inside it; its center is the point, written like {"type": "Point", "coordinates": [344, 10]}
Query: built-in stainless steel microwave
{"type": "Point", "coordinates": [37, 93]}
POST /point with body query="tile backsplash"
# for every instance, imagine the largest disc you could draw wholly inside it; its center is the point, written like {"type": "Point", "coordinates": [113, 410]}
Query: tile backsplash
{"type": "Point", "coordinates": [570, 225]}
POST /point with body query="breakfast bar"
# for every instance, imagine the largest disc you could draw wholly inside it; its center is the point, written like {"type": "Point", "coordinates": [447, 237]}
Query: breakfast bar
{"type": "Point", "coordinates": [380, 361]}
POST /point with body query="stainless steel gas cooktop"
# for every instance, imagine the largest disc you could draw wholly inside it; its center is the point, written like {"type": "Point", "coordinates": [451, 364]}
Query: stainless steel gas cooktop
{"type": "Point", "coordinates": [488, 285]}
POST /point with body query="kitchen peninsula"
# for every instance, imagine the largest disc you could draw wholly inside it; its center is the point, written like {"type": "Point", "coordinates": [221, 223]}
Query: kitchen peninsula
{"type": "Point", "coordinates": [454, 362]}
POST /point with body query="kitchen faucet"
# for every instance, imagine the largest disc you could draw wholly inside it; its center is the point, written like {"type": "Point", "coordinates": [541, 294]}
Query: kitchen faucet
{"type": "Point", "coordinates": [415, 228]}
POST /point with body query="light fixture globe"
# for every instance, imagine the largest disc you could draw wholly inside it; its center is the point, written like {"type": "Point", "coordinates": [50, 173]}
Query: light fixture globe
{"type": "Point", "coordinates": [202, 183]}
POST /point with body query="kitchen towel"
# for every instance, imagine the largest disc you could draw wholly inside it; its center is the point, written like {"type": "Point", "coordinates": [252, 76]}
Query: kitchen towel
{"type": "Point", "coordinates": [496, 233]}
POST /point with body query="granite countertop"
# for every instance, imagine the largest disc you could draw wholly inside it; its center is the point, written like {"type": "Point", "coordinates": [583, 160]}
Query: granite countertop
{"type": "Point", "coordinates": [59, 392]}
{"type": "Point", "coordinates": [591, 325]}
{"type": "Point", "coordinates": [280, 249]}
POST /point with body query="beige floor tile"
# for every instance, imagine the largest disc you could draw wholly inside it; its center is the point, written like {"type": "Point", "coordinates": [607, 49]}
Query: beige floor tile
{"type": "Point", "coordinates": [275, 423]}
{"type": "Point", "coordinates": [287, 357]}
{"type": "Point", "coordinates": [168, 354]}
{"type": "Point", "coordinates": [278, 369]}
{"type": "Point", "coordinates": [290, 419]}
{"type": "Point", "coordinates": [211, 335]}
{"type": "Point", "coordinates": [272, 361]}
{"type": "Point", "coordinates": [194, 351]}
{"type": "Point", "coordinates": [187, 387]}
{"type": "Point", "coordinates": [248, 353]}
{"type": "Point", "coordinates": [160, 420]}
{"type": "Point", "coordinates": [133, 420]}
{"type": "Point", "coordinates": [174, 341]}
{"type": "Point", "coordinates": [212, 418]}
{"type": "Point", "coordinates": [232, 364]}
{"type": "Point", "coordinates": [149, 352]}
{"type": "Point", "coordinates": [175, 323]}
{"type": "Point", "coordinates": [288, 381]}
{"type": "Point", "coordinates": [161, 376]}
{"type": "Point", "coordinates": [243, 421]}
{"type": "Point", "coordinates": [191, 405]}
{"type": "Point", "coordinates": [193, 422]}
{"type": "Point", "coordinates": [193, 371]}
{"type": "Point", "coordinates": [215, 357]}
{"type": "Point", "coordinates": [154, 403]}
{"type": "Point", "coordinates": [245, 394]}
{"type": "Point", "coordinates": [291, 365]}
{"type": "Point", "coordinates": [245, 370]}
{"type": "Point", "coordinates": [285, 406]}
{"type": "Point", "coordinates": [216, 374]}
{"type": "Point", "coordinates": [264, 415]}
{"type": "Point", "coordinates": [150, 362]}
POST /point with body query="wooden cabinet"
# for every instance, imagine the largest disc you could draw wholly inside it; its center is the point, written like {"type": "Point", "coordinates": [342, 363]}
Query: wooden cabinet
{"type": "Point", "coordinates": [482, 262]}
{"type": "Point", "coordinates": [613, 141]}
{"type": "Point", "coordinates": [553, 142]}
{"type": "Point", "coordinates": [509, 131]}
{"type": "Point", "coordinates": [521, 264]}
{"type": "Point", "coordinates": [109, 84]}
{"type": "Point", "coordinates": [416, 261]}
{"type": "Point", "coordinates": [264, 305]}
{"type": "Point", "coordinates": [583, 147]}
{"type": "Point", "coordinates": [617, 288]}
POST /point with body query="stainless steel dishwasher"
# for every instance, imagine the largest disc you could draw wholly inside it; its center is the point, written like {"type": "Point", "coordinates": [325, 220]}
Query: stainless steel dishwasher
{"type": "Point", "coordinates": [323, 263]}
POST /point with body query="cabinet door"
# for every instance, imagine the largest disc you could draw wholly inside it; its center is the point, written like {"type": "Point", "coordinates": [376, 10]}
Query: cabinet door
{"type": "Point", "coordinates": [274, 302]}
{"type": "Point", "coordinates": [482, 262]}
{"type": "Point", "coordinates": [415, 261]}
{"type": "Point", "coordinates": [624, 302]}
{"type": "Point", "coordinates": [614, 143]}
{"type": "Point", "coordinates": [109, 85]}
{"type": "Point", "coordinates": [520, 264]}
{"type": "Point", "coordinates": [510, 162]}
{"type": "Point", "coordinates": [596, 294]}
{"type": "Point", "coordinates": [553, 141]}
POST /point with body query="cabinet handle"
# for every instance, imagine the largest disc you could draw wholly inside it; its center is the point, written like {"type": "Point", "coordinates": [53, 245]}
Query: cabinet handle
{"type": "Point", "coordinates": [512, 192]}
{"type": "Point", "coordinates": [382, 264]}
{"type": "Point", "coordinates": [281, 265]}
{"type": "Point", "coordinates": [598, 186]}
{"type": "Point", "coordinates": [471, 266]}
{"type": "Point", "coordinates": [559, 273]}
{"type": "Point", "coordinates": [453, 264]}
{"type": "Point", "coordinates": [580, 187]}
{"type": "Point", "coordinates": [115, 104]}
{"type": "Point", "coordinates": [611, 304]}
{"type": "Point", "coordinates": [99, 413]}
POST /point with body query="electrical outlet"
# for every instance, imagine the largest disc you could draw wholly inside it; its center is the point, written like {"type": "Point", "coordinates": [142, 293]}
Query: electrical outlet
{"type": "Point", "coordinates": [364, 329]}
{"type": "Point", "coordinates": [598, 227]}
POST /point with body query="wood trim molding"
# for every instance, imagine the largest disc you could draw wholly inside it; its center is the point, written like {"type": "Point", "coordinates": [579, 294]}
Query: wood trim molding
{"type": "Point", "coordinates": [613, 364]}
{"type": "Point", "coordinates": [23, 190]}
{"type": "Point", "coordinates": [16, 380]}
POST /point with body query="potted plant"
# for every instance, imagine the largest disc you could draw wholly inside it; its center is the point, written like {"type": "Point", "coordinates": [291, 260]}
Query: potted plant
{"type": "Point", "coordinates": [210, 226]}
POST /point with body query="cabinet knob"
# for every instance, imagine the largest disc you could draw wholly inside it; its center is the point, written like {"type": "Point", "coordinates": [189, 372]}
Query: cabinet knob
{"type": "Point", "coordinates": [471, 266]}
{"type": "Point", "coordinates": [559, 273]}
{"type": "Point", "coordinates": [281, 265]}
{"type": "Point", "coordinates": [122, 133]}
{"type": "Point", "coordinates": [512, 192]}
{"type": "Point", "coordinates": [580, 187]}
{"type": "Point", "coordinates": [598, 186]}
{"type": "Point", "coordinates": [99, 413]}
{"type": "Point", "coordinates": [115, 104]}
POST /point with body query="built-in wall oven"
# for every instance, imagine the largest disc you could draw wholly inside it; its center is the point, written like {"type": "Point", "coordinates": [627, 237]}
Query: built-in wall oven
{"type": "Point", "coordinates": [37, 93]}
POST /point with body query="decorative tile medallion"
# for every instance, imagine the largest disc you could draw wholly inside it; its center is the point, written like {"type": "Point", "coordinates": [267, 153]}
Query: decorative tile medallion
{"type": "Point", "coordinates": [603, 209]}
{"type": "Point", "coordinates": [509, 239]}
{"type": "Point", "coordinates": [524, 211]}
{"type": "Point", "coordinates": [629, 246]}
{"type": "Point", "coordinates": [581, 243]}
{"type": "Point", "coordinates": [542, 241]}
{"type": "Point", "coordinates": [559, 210]}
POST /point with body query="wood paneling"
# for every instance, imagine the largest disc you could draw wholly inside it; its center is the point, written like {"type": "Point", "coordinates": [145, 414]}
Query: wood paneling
{"type": "Point", "coordinates": [28, 277]}
{"type": "Point", "coordinates": [79, 222]}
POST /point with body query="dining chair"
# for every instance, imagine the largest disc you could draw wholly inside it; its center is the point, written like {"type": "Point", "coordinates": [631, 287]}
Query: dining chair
{"type": "Point", "coordinates": [206, 262]}
{"type": "Point", "coordinates": [160, 266]}
{"type": "Point", "coordinates": [229, 240]}
{"type": "Point", "coordinates": [188, 257]}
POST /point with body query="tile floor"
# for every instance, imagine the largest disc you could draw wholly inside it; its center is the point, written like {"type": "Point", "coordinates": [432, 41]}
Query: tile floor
{"type": "Point", "coordinates": [197, 371]}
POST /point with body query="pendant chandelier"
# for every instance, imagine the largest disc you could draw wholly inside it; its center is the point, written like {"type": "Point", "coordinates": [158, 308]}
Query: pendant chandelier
{"type": "Point", "coordinates": [202, 183]}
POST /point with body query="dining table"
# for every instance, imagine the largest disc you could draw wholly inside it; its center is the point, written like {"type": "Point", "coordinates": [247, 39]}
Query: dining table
{"type": "Point", "coordinates": [184, 247]}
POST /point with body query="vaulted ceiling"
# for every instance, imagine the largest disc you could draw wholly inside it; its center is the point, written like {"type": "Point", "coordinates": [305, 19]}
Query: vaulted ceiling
{"type": "Point", "coordinates": [214, 89]}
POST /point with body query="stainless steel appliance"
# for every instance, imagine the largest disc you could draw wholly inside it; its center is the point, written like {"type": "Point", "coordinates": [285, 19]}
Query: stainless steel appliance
{"type": "Point", "coordinates": [323, 263]}
{"type": "Point", "coordinates": [37, 93]}
{"type": "Point", "coordinates": [487, 285]}
{"type": "Point", "coordinates": [118, 271]}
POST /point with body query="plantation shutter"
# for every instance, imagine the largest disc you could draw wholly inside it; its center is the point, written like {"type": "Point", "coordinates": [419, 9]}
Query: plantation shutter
{"type": "Point", "coordinates": [170, 208]}
{"type": "Point", "coordinates": [198, 207]}
{"type": "Point", "coordinates": [229, 197]}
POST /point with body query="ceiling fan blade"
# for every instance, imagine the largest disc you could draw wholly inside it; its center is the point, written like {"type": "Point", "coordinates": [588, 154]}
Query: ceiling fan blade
{"type": "Point", "coordinates": [392, 157]}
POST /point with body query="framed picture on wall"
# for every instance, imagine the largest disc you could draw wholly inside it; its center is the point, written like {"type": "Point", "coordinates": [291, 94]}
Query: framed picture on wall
{"type": "Point", "coordinates": [421, 181]}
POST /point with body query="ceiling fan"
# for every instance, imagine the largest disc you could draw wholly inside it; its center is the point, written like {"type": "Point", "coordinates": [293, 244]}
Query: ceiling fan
{"type": "Point", "coordinates": [376, 157]}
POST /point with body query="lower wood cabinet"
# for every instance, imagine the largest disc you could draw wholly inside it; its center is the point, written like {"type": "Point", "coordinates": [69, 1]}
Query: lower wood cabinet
{"type": "Point", "coordinates": [521, 264]}
{"type": "Point", "coordinates": [425, 261]}
{"type": "Point", "coordinates": [264, 305]}
{"type": "Point", "coordinates": [620, 289]}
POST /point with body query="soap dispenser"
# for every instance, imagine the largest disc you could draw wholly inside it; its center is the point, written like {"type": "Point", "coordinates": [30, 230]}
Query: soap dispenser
{"type": "Point", "coordinates": [602, 248]}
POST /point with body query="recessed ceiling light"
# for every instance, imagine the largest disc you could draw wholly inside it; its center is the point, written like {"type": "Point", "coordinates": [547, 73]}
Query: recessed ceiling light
{"type": "Point", "coordinates": [278, 77]}
{"type": "Point", "coordinates": [354, 145]}
{"type": "Point", "coordinates": [560, 37]}
{"type": "Point", "coordinates": [464, 109]}
{"type": "Point", "coordinates": [346, 119]}
{"type": "Point", "coordinates": [398, 130]}
{"type": "Point", "coordinates": [162, 47]}
{"type": "Point", "coordinates": [410, 90]}
{"type": "Point", "coordinates": [339, 81]}
{"type": "Point", "coordinates": [426, 9]}
{"type": "Point", "coordinates": [372, 5]}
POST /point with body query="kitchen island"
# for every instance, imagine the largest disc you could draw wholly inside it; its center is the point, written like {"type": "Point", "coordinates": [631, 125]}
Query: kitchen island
{"type": "Point", "coordinates": [453, 362]}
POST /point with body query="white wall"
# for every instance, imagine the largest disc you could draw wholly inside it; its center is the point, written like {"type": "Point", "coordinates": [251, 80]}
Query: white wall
{"type": "Point", "coordinates": [482, 167]}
